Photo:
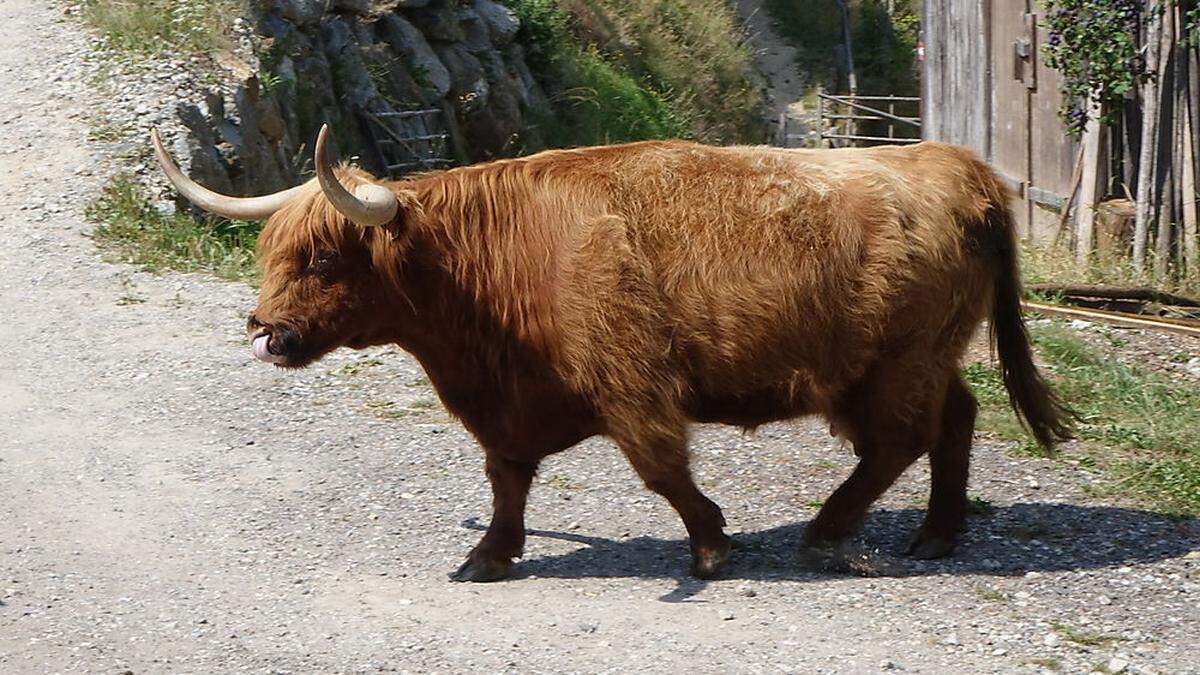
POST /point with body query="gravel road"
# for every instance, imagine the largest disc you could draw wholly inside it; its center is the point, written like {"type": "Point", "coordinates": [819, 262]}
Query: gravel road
{"type": "Point", "coordinates": [167, 505]}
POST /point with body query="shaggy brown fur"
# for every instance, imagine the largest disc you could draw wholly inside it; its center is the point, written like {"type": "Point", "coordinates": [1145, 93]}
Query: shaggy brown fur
{"type": "Point", "coordinates": [630, 290]}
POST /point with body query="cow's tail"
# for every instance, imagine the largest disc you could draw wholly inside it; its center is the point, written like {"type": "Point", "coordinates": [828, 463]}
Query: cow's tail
{"type": "Point", "coordinates": [1042, 412]}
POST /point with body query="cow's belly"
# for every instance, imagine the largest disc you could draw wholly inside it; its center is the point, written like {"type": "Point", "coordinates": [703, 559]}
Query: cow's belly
{"type": "Point", "coordinates": [750, 409]}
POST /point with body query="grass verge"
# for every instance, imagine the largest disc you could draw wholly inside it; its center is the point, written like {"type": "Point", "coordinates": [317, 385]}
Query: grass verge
{"type": "Point", "coordinates": [1056, 264]}
{"type": "Point", "coordinates": [128, 227]}
{"type": "Point", "coordinates": [623, 71]}
{"type": "Point", "coordinates": [153, 27]}
{"type": "Point", "coordinates": [1140, 427]}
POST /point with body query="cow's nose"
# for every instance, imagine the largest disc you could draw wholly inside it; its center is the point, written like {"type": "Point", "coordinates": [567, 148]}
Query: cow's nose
{"type": "Point", "coordinates": [284, 340]}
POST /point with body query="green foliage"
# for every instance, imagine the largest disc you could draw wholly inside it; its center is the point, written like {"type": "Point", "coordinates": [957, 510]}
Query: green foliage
{"type": "Point", "coordinates": [884, 46]}
{"type": "Point", "coordinates": [609, 105]}
{"type": "Point", "coordinates": [155, 27]}
{"type": "Point", "coordinates": [1192, 27]}
{"type": "Point", "coordinates": [1146, 427]}
{"type": "Point", "coordinates": [691, 53]}
{"type": "Point", "coordinates": [597, 102]}
{"type": "Point", "coordinates": [1093, 43]}
{"type": "Point", "coordinates": [137, 233]}
{"type": "Point", "coordinates": [623, 71]}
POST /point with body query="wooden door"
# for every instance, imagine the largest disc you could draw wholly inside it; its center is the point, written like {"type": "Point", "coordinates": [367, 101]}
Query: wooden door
{"type": "Point", "coordinates": [1014, 75]}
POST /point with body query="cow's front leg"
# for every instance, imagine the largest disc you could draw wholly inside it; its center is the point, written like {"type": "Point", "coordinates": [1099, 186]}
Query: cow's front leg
{"type": "Point", "coordinates": [492, 558]}
{"type": "Point", "coordinates": [662, 463]}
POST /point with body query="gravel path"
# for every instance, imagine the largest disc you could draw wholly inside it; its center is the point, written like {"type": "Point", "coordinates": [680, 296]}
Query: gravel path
{"type": "Point", "coordinates": [775, 58]}
{"type": "Point", "coordinates": [167, 505]}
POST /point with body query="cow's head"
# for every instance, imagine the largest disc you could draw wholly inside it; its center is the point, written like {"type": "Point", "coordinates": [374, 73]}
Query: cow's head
{"type": "Point", "coordinates": [328, 257]}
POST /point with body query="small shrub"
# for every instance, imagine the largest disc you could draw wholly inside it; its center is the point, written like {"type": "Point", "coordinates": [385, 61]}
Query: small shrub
{"type": "Point", "coordinates": [129, 227]}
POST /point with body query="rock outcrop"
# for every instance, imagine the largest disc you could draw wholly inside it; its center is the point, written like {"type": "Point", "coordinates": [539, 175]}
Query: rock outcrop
{"type": "Point", "coordinates": [365, 67]}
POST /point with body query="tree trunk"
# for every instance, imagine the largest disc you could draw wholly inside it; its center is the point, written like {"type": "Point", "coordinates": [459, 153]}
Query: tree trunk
{"type": "Point", "coordinates": [1169, 131]}
{"type": "Point", "coordinates": [1087, 187]}
{"type": "Point", "coordinates": [1191, 229]}
{"type": "Point", "coordinates": [851, 79]}
{"type": "Point", "coordinates": [1145, 183]}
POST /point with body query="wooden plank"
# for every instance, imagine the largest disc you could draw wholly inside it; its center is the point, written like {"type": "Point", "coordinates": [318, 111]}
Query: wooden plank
{"type": "Point", "coordinates": [1065, 213]}
{"type": "Point", "coordinates": [1164, 206]}
{"type": "Point", "coordinates": [954, 74]}
{"type": "Point", "coordinates": [1010, 104]}
{"type": "Point", "coordinates": [1179, 326]}
{"type": "Point", "coordinates": [1115, 293]}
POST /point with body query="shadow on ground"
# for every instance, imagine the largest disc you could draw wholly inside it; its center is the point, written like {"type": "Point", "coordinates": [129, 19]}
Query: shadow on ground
{"type": "Point", "coordinates": [1005, 541]}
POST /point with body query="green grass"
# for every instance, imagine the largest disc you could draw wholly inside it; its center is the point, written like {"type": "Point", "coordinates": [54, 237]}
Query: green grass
{"type": "Point", "coordinates": [622, 71]}
{"type": "Point", "coordinates": [133, 231]}
{"type": "Point", "coordinates": [1055, 264]}
{"type": "Point", "coordinates": [1141, 427]}
{"type": "Point", "coordinates": [355, 367]}
{"type": "Point", "coordinates": [1083, 637]}
{"type": "Point", "coordinates": [155, 27]}
{"type": "Point", "coordinates": [1047, 663]}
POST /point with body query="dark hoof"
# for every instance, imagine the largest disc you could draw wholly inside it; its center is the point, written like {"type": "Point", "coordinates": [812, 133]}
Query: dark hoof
{"type": "Point", "coordinates": [826, 556]}
{"type": "Point", "coordinates": [927, 546]}
{"type": "Point", "coordinates": [480, 571]}
{"type": "Point", "coordinates": [707, 562]}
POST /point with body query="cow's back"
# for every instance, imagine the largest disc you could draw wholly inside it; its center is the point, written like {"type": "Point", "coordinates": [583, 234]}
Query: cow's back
{"type": "Point", "coordinates": [784, 273]}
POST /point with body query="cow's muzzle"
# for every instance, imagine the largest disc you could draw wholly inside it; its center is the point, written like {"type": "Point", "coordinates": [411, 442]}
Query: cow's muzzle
{"type": "Point", "coordinates": [272, 343]}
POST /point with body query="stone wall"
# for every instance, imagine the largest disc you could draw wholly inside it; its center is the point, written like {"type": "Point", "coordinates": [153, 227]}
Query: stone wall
{"type": "Point", "coordinates": [309, 62]}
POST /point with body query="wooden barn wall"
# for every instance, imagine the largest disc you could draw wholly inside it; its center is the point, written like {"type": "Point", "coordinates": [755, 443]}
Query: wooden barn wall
{"type": "Point", "coordinates": [980, 92]}
{"type": "Point", "coordinates": [955, 105]}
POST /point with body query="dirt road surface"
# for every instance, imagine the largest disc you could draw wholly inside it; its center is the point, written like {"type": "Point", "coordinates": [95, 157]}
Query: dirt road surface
{"type": "Point", "coordinates": [775, 58]}
{"type": "Point", "coordinates": [169, 506]}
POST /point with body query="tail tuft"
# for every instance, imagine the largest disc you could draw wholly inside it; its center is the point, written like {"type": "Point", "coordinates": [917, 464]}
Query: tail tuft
{"type": "Point", "coordinates": [1040, 410]}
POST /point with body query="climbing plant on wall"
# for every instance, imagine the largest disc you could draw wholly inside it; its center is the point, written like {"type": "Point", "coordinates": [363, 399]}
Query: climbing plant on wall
{"type": "Point", "coordinates": [1094, 44]}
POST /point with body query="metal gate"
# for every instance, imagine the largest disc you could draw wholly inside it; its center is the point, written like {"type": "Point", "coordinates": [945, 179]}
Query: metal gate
{"type": "Point", "coordinates": [868, 120]}
{"type": "Point", "coordinates": [410, 140]}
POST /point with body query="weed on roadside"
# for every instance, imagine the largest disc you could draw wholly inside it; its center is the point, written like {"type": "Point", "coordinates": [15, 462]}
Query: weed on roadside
{"type": "Point", "coordinates": [152, 27]}
{"type": "Point", "coordinates": [133, 231]}
{"type": "Point", "coordinates": [1083, 637]}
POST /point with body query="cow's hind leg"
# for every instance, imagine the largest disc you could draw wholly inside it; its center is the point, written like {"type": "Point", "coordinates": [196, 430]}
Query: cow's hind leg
{"type": "Point", "coordinates": [661, 460]}
{"type": "Point", "coordinates": [492, 558]}
{"type": "Point", "coordinates": [892, 419]}
{"type": "Point", "coordinates": [949, 460]}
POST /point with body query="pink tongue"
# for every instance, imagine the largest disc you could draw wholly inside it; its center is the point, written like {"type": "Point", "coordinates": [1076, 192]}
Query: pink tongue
{"type": "Point", "coordinates": [260, 349]}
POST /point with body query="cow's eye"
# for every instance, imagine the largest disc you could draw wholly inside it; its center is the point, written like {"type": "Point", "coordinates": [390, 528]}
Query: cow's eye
{"type": "Point", "coordinates": [323, 262]}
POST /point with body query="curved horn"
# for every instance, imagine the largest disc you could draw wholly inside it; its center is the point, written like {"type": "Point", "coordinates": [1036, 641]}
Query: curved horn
{"type": "Point", "coordinates": [242, 208]}
{"type": "Point", "coordinates": [371, 205]}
